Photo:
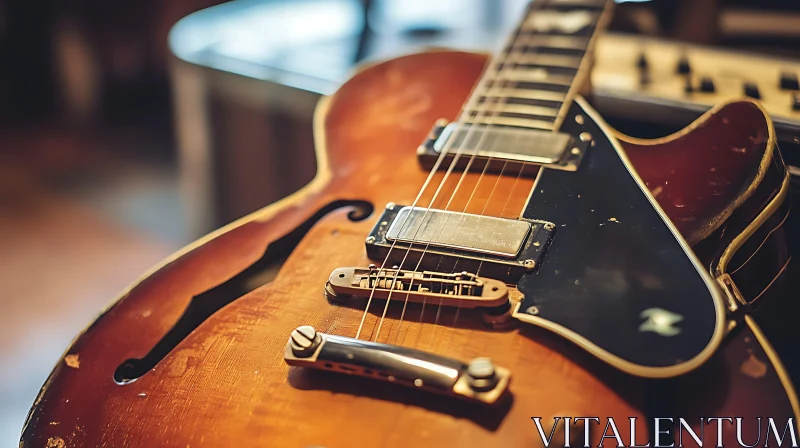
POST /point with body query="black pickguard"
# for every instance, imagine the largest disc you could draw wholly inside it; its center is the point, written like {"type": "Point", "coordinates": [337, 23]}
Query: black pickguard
{"type": "Point", "coordinates": [613, 258]}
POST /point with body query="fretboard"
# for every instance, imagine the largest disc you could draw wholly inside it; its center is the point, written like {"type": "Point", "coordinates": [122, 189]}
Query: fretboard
{"type": "Point", "coordinates": [532, 81]}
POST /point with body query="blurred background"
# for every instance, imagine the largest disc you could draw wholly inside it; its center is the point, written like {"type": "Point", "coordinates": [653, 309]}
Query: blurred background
{"type": "Point", "coordinates": [129, 129]}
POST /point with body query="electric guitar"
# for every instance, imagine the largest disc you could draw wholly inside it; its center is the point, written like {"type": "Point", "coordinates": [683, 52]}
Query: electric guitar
{"type": "Point", "coordinates": [471, 222]}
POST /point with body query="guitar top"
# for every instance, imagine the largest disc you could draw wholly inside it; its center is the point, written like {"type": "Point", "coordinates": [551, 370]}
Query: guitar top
{"type": "Point", "coordinates": [477, 248]}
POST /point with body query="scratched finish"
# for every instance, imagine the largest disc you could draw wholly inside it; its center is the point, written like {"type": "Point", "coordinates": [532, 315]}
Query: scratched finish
{"type": "Point", "coordinates": [740, 381]}
{"type": "Point", "coordinates": [614, 260]}
{"type": "Point", "coordinates": [710, 177]}
{"type": "Point", "coordinates": [227, 385]}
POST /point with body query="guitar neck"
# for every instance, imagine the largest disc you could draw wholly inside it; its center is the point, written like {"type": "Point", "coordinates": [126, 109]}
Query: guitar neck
{"type": "Point", "coordinates": [532, 81]}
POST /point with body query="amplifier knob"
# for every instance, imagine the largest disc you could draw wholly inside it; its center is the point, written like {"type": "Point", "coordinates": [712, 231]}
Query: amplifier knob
{"type": "Point", "coordinates": [751, 90]}
{"type": "Point", "coordinates": [683, 65]}
{"type": "Point", "coordinates": [642, 61]}
{"type": "Point", "coordinates": [789, 81]}
{"type": "Point", "coordinates": [707, 85]}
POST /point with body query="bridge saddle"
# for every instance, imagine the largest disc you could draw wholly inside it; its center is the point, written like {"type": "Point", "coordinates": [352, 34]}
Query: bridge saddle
{"type": "Point", "coordinates": [461, 289]}
{"type": "Point", "coordinates": [479, 381]}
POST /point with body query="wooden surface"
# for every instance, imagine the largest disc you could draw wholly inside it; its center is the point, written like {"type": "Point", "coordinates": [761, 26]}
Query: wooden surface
{"type": "Point", "coordinates": [699, 177]}
{"type": "Point", "coordinates": [227, 384]}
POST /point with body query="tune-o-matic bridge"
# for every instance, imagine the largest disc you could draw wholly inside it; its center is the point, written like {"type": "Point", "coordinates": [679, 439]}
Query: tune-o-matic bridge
{"type": "Point", "coordinates": [480, 380]}
{"type": "Point", "coordinates": [447, 241]}
{"type": "Point", "coordinates": [461, 289]}
{"type": "Point", "coordinates": [504, 148]}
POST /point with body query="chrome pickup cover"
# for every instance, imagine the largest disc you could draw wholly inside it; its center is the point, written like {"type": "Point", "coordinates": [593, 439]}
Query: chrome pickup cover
{"type": "Point", "coordinates": [499, 248]}
{"type": "Point", "coordinates": [524, 145]}
{"type": "Point", "coordinates": [474, 233]}
{"type": "Point", "coordinates": [506, 148]}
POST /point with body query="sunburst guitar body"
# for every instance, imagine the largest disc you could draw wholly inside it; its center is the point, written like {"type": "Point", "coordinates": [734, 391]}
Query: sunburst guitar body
{"type": "Point", "coordinates": [477, 248]}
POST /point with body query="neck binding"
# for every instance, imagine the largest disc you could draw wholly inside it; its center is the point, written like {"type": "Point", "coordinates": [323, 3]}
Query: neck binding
{"type": "Point", "coordinates": [533, 80]}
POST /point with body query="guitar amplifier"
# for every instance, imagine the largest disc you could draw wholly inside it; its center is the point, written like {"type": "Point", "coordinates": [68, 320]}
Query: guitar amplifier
{"type": "Point", "coordinates": [638, 81]}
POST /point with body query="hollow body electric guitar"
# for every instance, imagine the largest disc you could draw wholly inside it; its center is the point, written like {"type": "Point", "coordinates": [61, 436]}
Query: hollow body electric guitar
{"type": "Point", "coordinates": [392, 300]}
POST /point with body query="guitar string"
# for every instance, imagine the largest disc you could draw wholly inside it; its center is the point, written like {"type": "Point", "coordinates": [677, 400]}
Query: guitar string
{"type": "Point", "coordinates": [566, 103]}
{"type": "Point", "coordinates": [485, 114]}
{"type": "Point", "coordinates": [527, 43]}
{"type": "Point", "coordinates": [459, 151]}
{"type": "Point", "coordinates": [511, 45]}
{"type": "Point", "coordinates": [508, 84]}
{"type": "Point", "coordinates": [476, 122]}
{"type": "Point", "coordinates": [514, 59]}
{"type": "Point", "coordinates": [442, 156]}
{"type": "Point", "coordinates": [513, 187]}
{"type": "Point", "coordinates": [437, 269]}
{"type": "Point", "coordinates": [460, 124]}
{"type": "Point", "coordinates": [424, 188]}
{"type": "Point", "coordinates": [471, 127]}
{"type": "Point", "coordinates": [432, 202]}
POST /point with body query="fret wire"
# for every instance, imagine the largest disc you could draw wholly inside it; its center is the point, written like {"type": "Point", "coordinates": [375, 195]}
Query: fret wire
{"type": "Point", "coordinates": [512, 121]}
{"type": "Point", "coordinates": [538, 77]}
{"type": "Point", "coordinates": [531, 51]}
{"type": "Point", "coordinates": [549, 41]}
{"type": "Point", "coordinates": [532, 67]}
{"type": "Point", "coordinates": [531, 55]}
{"type": "Point", "coordinates": [540, 111]}
{"type": "Point", "coordinates": [548, 60]}
{"type": "Point", "coordinates": [585, 33]}
{"type": "Point", "coordinates": [600, 4]}
{"type": "Point", "coordinates": [531, 94]}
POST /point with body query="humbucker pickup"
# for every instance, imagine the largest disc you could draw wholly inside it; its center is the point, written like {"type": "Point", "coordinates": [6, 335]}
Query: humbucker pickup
{"type": "Point", "coordinates": [504, 148]}
{"type": "Point", "coordinates": [446, 241]}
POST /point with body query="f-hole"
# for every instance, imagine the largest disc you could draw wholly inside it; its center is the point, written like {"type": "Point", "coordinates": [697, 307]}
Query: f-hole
{"type": "Point", "coordinates": [204, 305]}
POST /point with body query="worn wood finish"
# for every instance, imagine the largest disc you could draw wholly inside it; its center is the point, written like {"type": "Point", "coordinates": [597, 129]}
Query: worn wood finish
{"type": "Point", "coordinates": [227, 384]}
{"type": "Point", "coordinates": [700, 183]}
